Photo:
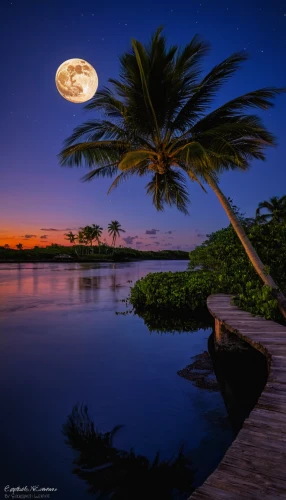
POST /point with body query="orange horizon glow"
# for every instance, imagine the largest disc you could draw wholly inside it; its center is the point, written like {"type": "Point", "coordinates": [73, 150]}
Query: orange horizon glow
{"type": "Point", "coordinates": [32, 238]}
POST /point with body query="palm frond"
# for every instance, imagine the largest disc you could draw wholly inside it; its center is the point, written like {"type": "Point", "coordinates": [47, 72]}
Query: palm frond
{"type": "Point", "coordinates": [193, 177]}
{"type": "Point", "coordinates": [230, 111]}
{"type": "Point", "coordinates": [121, 177]}
{"type": "Point", "coordinates": [106, 101]}
{"type": "Point", "coordinates": [105, 171]}
{"type": "Point", "coordinates": [141, 57]}
{"type": "Point", "coordinates": [169, 189]}
{"type": "Point", "coordinates": [95, 130]}
{"type": "Point", "coordinates": [91, 153]}
{"type": "Point", "coordinates": [204, 93]}
{"type": "Point", "coordinates": [134, 158]}
{"type": "Point", "coordinates": [139, 170]}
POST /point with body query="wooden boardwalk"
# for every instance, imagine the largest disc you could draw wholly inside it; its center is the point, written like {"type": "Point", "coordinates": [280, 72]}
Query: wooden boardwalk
{"type": "Point", "coordinates": [254, 466]}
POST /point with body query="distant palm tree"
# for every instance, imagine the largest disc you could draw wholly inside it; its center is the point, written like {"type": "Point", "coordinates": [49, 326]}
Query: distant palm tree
{"type": "Point", "coordinates": [97, 231]}
{"type": "Point", "coordinates": [276, 209]}
{"type": "Point", "coordinates": [71, 237]}
{"type": "Point", "coordinates": [6, 246]}
{"type": "Point", "coordinates": [158, 123]}
{"type": "Point", "coordinates": [81, 237]}
{"type": "Point", "coordinates": [19, 246]}
{"type": "Point", "coordinates": [114, 230]}
{"type": "Point", "coordinates": [90, 233]}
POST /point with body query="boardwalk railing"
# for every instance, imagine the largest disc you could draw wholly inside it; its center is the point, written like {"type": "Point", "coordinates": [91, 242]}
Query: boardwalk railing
{"type": "Point", "coordinates": [254, 467]}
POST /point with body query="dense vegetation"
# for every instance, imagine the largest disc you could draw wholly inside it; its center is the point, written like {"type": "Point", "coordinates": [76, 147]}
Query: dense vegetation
{"type": "Point", "coordinates": [82, 253]}
{"type": "Point", "coordinates": [221, 265]}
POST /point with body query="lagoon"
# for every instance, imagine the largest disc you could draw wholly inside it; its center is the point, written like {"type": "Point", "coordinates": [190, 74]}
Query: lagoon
{"type": "Point", "coordinates": [62, 343]}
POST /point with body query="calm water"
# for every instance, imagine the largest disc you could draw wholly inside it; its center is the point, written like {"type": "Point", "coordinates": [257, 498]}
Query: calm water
{"type": "Point", "coordinates": [62, 344]}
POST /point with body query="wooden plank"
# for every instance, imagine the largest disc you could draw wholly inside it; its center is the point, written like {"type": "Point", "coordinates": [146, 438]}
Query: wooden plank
{"type": "Point", "coordinates": [238, 449]}
{"type": "Point", "coordinates": [250, 484]}
{"type": "Point", "coordinates": [254, 467]}
{"type": "Point", "coordinates": [266, 415]}
{"type": "Point", "coordinates": [258, 465]}
{"type": "Point", "coordinates": [206, 492]}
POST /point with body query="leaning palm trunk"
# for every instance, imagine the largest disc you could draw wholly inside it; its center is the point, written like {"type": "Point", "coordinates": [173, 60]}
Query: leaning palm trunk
{"type": "Point", "coordinates": [250, 251]}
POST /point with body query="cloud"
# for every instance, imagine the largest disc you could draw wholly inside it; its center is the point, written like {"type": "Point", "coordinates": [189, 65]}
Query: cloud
{"type": "Point", "coordinates": [157, 242]}
{"type": "Point", "coordinates": [129, 239]}
{"type": "Point", "coordinates": [44, 237]}
{"type": "Point", "coordinates": [53, 229]}
{"type": "Point", "coordinates": [138, 242]}
{"type": "Point", "coordinates": [169, 232]}
{"type": "Point", "coordinates": [152, 231]}
{"type": "Point", "coordinates": [171, 238]}
{"type": "Point", "coordinates": [153, 237]}
{"type": "Point", "coordinates": [29, 236]}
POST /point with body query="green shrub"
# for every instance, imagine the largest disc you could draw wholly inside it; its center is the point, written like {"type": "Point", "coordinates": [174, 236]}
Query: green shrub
{"type": "Point", "coordinates": [223, 253]}
{"type": "Point", "coordinates": [223, 267]}
{"type": "Point", "coordinates": [184, 290]}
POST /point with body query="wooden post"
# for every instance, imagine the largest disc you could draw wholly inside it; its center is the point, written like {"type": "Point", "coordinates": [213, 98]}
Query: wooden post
{"type": "Point", "coordinates": [218, 332]}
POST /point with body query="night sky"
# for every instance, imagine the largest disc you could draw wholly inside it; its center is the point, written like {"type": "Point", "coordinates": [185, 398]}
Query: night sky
{"type": "Point", "coordinates": [39, 200]}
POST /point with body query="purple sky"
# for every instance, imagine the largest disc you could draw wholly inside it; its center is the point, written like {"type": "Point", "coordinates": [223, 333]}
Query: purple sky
{"type": "Point", "coordinates": [36, 37]}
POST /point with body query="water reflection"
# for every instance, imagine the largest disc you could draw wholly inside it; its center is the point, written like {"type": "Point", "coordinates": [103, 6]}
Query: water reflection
{"type": "Point", "coordinates": [161, 321]}
{"type": "Point", "coordinates": [242, 376]}
{"type": "Point", "coordinates": [121, 475]}
{"type": "Point", "coordinates": [77, 283]}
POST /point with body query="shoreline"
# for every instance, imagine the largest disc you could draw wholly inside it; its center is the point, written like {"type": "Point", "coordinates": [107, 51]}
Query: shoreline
{"type": "Point", "coordinates": [76, 261]}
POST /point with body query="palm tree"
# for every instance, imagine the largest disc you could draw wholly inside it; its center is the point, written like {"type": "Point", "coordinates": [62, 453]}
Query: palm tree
{"type": "Point", "coordinates": [91, 233]}
{"type": "Point", "coordinates": [114, 230]}
{"type": "Point", "coordinates": [81, 237]}
{"type": "Point", "coordinates": [97, 231]}
{"type": "Point", "coordinates": [158, 123]}
{"type": "Point", "coordinates": [6, 246]}
{"type": "Point", "coordinates": [19, 246]}
{"type": "Point", "coordinates": [276, 209]}
{"type": "Point", "coordinates": [71, 237]}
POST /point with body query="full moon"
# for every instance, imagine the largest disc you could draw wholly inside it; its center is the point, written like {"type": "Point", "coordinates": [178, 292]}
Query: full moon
{"type": "Point", "coordinates": [76, 80]}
